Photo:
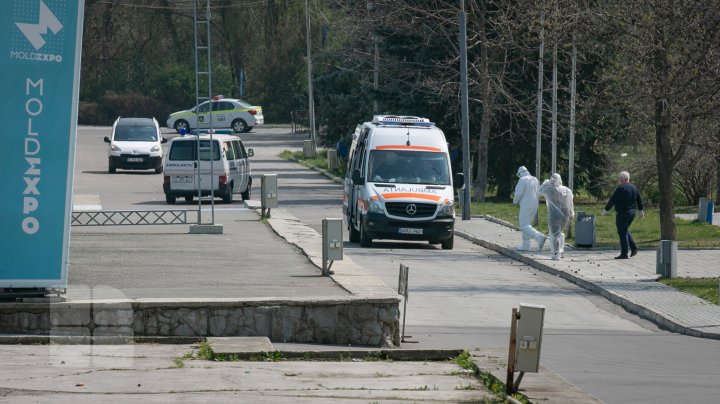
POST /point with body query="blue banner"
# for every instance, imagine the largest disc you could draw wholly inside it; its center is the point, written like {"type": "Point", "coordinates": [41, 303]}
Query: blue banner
{"type": "Point", "coordinates": [40, 49]}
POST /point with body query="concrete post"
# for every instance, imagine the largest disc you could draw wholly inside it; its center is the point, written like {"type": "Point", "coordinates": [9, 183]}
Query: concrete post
{"type": "Point", "coordinates": [666, 263]}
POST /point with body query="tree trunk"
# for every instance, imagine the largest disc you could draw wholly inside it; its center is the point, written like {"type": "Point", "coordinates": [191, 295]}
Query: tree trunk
{"type": "Point", "coordinates": [480, 184]}
{"type": "Point", "coordinates": [717, 178]}
{"type": "Point", "coordinates": [664, 160]}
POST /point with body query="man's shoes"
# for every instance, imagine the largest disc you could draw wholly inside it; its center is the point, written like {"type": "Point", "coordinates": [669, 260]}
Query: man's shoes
{"type": "Point", "coordinates": [621, 257]}
{"type": "Point", "coordinates": [555, 257]}
{"type": "Point", "coordinates": [633, 252]}
{"type": "Point", "coordinates": [541, 243]}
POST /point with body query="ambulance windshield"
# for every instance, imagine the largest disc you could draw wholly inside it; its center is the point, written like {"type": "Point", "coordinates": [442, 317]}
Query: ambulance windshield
{"type": "Point", "coordinates": [408, 167]}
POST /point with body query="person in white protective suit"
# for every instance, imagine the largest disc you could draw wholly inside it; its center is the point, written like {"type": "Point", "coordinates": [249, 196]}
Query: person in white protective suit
{"type": "Point", "coordinates": [559, 201]}
{"type": "Point", "coordinates": [526, 195]}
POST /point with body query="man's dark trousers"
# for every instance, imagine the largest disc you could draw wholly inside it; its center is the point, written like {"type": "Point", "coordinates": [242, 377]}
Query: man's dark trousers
{"type": "Point", "coordinates": [622, 222]}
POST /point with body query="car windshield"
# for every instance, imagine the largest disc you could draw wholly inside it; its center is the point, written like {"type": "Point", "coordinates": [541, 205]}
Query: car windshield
{"type": "Point", "coordinates": [135, 133]}
{"type": "Point", "coordinates": [408, 167]}
{"type": "Point", "coordinates": [186, 150]}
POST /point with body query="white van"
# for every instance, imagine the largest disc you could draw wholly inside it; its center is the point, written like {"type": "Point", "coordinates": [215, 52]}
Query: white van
{"type": "Point", "coordinates": [135, 144]}
{"type": "Point", "coordinates": [398, 184]}
{"type": "Point", "coordinates": [230, 165]}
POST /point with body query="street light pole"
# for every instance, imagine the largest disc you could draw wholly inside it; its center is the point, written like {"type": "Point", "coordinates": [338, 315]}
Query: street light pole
{"type": "Point", "coordinates": [311, 103]}
{"type": "Point", "coordinates": [465, 124]}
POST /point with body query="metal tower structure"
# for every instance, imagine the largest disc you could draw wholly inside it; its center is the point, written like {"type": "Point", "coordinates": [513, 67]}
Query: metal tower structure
{"type": "Point", "coordinates": [203, 92]}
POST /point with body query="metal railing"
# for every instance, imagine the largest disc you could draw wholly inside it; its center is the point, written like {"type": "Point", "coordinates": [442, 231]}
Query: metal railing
{"type": "Point", "coordinates": [133, 217]}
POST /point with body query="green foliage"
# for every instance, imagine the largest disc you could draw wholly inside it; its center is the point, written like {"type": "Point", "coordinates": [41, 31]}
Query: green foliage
{"type": "Point", "coordinates": [205, 351]}
{"type": "Point", "coordinates": [704, 288]}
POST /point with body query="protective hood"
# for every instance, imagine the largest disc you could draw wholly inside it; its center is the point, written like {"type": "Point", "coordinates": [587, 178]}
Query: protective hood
{"type": "Point", "coordinates": [522, 171]}
{"type": "Point", "coordinates": [555, 180]}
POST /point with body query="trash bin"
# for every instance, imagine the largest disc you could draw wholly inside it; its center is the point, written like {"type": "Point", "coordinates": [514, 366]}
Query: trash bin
{"type": "Point", "coordinates": [584, 230]}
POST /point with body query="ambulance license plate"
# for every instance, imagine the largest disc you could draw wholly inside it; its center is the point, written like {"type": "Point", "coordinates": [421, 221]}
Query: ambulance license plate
{"type": "Point", "coordinates": [409, 230]}
{"type": "Point", "coordinates": [135, 159]}
{"type": "Point", "coordinates": [182, 179]}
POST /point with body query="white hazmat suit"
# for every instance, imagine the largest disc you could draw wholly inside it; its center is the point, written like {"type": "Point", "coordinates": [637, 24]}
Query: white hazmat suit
{"type": "Point", "coordinates": [526, 195]}
{"type": "Point", "coordinates": [559, 200]}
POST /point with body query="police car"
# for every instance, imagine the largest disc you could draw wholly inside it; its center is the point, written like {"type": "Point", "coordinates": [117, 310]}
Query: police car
{"type": "Point", "coordinates": [231, 113]}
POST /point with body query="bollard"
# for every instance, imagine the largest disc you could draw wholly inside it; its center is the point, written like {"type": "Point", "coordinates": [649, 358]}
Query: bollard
{"type": "Point", "coordinates": [308, 151]}
{"type": "Point", "coordinates": [666, 262]}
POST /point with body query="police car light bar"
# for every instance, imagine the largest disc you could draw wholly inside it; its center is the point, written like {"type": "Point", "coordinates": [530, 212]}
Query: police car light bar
{"type": "Point", "coordinates": [401, 120]}
{"type": "Point", "coordinates": [214, 131]}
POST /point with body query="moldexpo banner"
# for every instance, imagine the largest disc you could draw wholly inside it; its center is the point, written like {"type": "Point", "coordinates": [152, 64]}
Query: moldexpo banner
{"type": "Point", "coordinates": [40, 46]}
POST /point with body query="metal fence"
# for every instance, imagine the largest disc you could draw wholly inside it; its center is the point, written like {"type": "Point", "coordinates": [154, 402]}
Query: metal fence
{"type": "Point", "coordinates": [133, 217]}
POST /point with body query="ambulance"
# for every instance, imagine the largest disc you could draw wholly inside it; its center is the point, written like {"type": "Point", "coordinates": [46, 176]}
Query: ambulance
{"type": "Point", "coordinates": [398, 184]}
{"type": "Point", "coordinates": [197, 166]}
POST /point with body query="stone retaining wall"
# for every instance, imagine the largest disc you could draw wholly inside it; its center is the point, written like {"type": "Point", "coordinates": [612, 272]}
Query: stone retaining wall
{"type": "Point", "coordinates": [344, 320]}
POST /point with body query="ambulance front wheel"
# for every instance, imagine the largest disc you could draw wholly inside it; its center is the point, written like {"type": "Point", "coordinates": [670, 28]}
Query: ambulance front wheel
{"type": "Point", "coordinates": [449, 243]}
{"type": "Point", "coordinates": [365, 239]}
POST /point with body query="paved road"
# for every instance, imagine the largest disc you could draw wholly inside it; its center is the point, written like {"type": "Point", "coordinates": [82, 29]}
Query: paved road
{"type": "Point", "coordinates": [166, 261]}
{"type": "Point", "coordinates": [464, 297]}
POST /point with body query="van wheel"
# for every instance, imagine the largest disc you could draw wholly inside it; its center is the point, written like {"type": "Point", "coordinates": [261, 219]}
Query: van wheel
{"type": "Point", "coordinates": [111, 167]}
{"type": "Point", "coordinates": [182, 124]}
{"type": "Point", "coordinates": [239, 125]}
{"type": "Point", "coordinates": [227, 198]}
{"type": "Point", "coordinates": [449, 243]}
{"type": "Point", "coordinates": [354, 234]}
{"type": "Point", "coordinates": [158, 170]}
{"type": "Point", "coordinates": [245, 195]}
{"type": "Point", "coordinates": [188, 199]}
{"type": "Point", "coordinates": [365, 239]}
{"type": "Point", "coordinates": [170, 200]}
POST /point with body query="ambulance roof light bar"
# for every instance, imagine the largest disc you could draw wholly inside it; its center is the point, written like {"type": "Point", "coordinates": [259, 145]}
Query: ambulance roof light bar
{"type": "Point", "coordinates": [401, 120]}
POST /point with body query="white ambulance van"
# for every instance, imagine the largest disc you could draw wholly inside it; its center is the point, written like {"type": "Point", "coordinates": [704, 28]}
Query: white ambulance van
{"type": "Point", "coordinates": [184, 171]}
{"type": "Point", "coordinates": [398, 184]}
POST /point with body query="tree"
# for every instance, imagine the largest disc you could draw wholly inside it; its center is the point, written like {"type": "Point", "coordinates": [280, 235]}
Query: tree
{"type": "Point", "coordinates": [665, 65]}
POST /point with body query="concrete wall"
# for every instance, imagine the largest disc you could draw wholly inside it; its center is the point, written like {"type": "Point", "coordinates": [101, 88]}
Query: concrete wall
{"type": "Point", "coordinates": [351, 320]}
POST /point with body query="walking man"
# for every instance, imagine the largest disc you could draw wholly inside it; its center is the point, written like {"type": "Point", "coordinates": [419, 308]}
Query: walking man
{"type": "Point", "coordinates": [526, 196]}
{"type": "Point", "coordinates": [627, 201]}
{"type": "Point", "coordinates": [561, 209]}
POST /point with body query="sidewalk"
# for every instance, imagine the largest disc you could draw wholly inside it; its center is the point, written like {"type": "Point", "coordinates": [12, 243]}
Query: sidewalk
{"type": "Point", "coordinates": [628, 283]}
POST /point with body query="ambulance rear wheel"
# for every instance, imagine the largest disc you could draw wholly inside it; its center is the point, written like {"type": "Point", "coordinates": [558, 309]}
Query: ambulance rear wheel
{"type": "Point", "coordinates": [245, 195]}
{"type": "Point", "coordinates": [170, 200]}
{"type": "Point", "coordinates": [365, 239]}
{"type": "Point", "coordinates": [227, 198]}
{"type": "Point", "coordinates": [354, 234]}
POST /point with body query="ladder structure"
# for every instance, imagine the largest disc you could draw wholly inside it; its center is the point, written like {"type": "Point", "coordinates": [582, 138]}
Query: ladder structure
{"type": "Point", "coordinates": [203, 91]}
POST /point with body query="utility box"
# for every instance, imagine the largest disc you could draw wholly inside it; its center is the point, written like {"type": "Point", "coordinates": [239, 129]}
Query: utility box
{"type": "Point", "coordinates": [585, 230]}
{"type": "Point", "coordinates": [268, 190]}
{"type": "Point", "coordinates": [666, 263]}
{"type": "Point", "coordinates": [529, 337]}
{"type": "Point", "coordinates": [332, 239]}
{"type": "Point", "coordinates": [332, 159]}
{"type": "Point", "coordinates": [702, 216]}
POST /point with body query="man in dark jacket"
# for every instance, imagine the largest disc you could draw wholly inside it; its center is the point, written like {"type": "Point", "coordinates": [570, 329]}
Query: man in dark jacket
{"type": "Point", "coordinates": [627, 201]}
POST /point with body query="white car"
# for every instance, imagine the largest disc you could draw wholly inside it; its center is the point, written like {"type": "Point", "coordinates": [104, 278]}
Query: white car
{"type": "Point", "coordinates": [135, 144]}
{"type": "Point", "coordinates": [231, 113]}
